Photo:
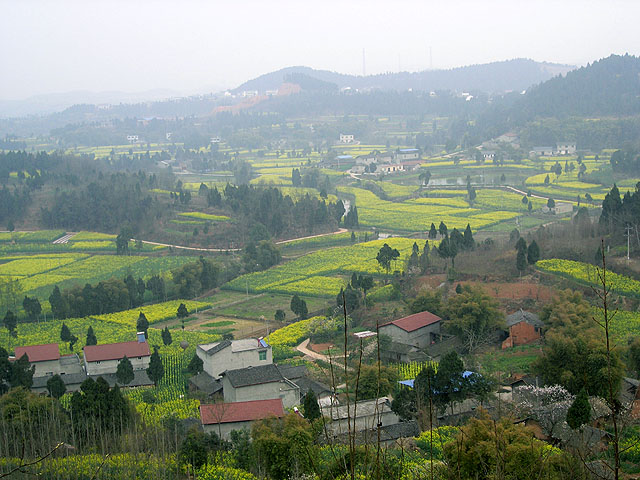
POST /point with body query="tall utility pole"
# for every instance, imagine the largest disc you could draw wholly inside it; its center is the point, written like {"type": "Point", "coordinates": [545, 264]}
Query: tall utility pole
{"type": "Point", "coordinates": [628, 234]}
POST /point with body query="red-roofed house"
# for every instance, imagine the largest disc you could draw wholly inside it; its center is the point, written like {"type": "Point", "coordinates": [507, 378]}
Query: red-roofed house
{"type": "Point", "coordinates": [48, 361]}
{"type": "Point", "coordinates": [104, 359]}
{"type": "Point", "coordinates": [222, 418]}
{"type": "Point", "coordinates": [418, 330]}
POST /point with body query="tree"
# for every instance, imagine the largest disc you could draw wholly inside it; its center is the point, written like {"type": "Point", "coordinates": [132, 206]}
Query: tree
{"type": "Point", "coordinates": [521, 257]}
{"type": "Point", "coordinates": [468, 241]}
{"type": "Point", "coordinates": [311, 407]}
{"type": "Point", "coordinates": [448, 381]}
{"type": "Point", "coordinates": [10, 322]}
{"type": "Point", "coordinates": [65, 333]}
{"type": "Point", "coordinates": [428, 301]}
{"type": "Point", "coordinates": [386, 255]}
{"type": "Point", "coordinates": [193, 449]}
{"type": "Point", "coordinates": [56, 386]}
{"type": "Point", "coordinates": [124, 372]}
{"type": "Point", "coordinates": [22, 373]}
{"type": "Point", "coordinates": [533, 253]}
{"type": "Point", "coordinates": [58, 305]}
{"type": "Point", "coordinates": [196, 365]}
{"type": "Point", "coordinates": [424, 177]}
{"type": "Point", "coordinates": [442, 229]}
{"type": "Point", "coordinates": [473, 315]}
{"type": "Point", "coordinates": [433, 233]}
{"type": "Point", "coordinates": [142, 324]}
{"type": "Point", "coordinates": [91, 337]}
{"type": "Point", "coordinates": [182, 311]}
{"type": "Point", "coordinates": [166, 336]}
{"type": "Point", "coordinates": [551, 203]}
{"type": "Point", "coordinates": [280, 315]}
{"type": "Point", "coordinates": [122, 241]}
{"type": "Point", "coordinates": [299, 307]}
{"type": "Point", "coordinates": [156, 369]}
{"type": "Point", "coordinates": [529, 206]}
{"type": "Point", "coordinates": [370, 384]}
{"type": "Point", "coordinates": [546, 180]}
{"type": "Point", "coordinates": [296, 179]}
{"type": "Point", "coordinates": [579, 412]}
{"type": "Point", "coordinates": [32, 307]}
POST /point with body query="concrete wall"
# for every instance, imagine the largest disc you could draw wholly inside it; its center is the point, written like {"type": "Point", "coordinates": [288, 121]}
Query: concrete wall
{"type": "Point", "coordinates": [420, 338]}
{"type": "Point", "coordinates": [225, 359]}
{"type": "Point", "coordinates": [224, 429]}
{"type": "Point", "coordinates": [48, 368]}
{"type": "Point", "coordinates": [111, 366]}
{"type": "Point", "coordinates": [289, 393]}
{"type": "Point", "coordinates": [366, 422]}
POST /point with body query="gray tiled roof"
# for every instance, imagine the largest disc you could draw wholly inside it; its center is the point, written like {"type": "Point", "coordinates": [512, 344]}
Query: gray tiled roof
{"type": "Point", "coordinates": [212, 348]}
{"type": "Point", "coordinates": [244, 377]}
{"type": "Point", "coordinates": [206, 383]}
{"type": "Point", "coordinates": [72, 379]}
{"type": "Point", "coordinates": [293, 372]}
{"type": "Point", "coordinates": [524, 316]}
{"type": "Point", "coordinates": [140, 379]}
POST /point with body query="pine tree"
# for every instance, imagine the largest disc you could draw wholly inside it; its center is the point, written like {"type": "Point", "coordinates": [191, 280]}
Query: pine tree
{"type": "Point", "coordinates": [182, 311]}
{"type": "Point", "coordinates": [56, 386]}
{"type": "Point", "coordinates": [11, 322]}
{"type": "Point", "coordinates": [579, 412]}
{"type": "Point", "coordinates": [521, 259]}
{"type": "Point", "coordinates": [65, 333]}
{"type": "Point", "coordinates": [533, 253]}
{"type": "Point", "coordinates": [311, 407]}
{"type": "Point", "coordinates": [91, 337]}
{"type": "Point", "coordinates": [156, 369]}
{"type": "Point", "coordinates": [143, 324]}
{"type": "Point", "coordinates": [433, 233]}
{"type": "Point", "coordinates": [124, 372]}
{"type": "Point", "coordinates": [469, 242]}
{"type": "Point", "coordinates": [58, 305]}
{"type": "Point", "coordinates": [166, 336]}
{"type": "Point", "coordinates": [196, 365]}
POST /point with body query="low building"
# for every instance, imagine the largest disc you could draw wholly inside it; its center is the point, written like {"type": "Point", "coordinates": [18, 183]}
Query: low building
{"type": "Point", "coordinates": [418, 330]}
{"type": "Point", "coordinates": [404, 154]}
{"type": "Point", "coordinates": [365, 415]}
{"type": "Point", "coordinates": [390, 168]}
{"type": "Point", "coordinates": [234, 354]}
{"type": "Point", "coordinates": [542, 152]}
{"type": "Point", "coordinates": [488, 154]}
{"type": "Point", "coordinates": [524, 328]}
{"type": "Point", "coordinates": [411, 165]}
{"type": "Point", "coordinates": [223, 418]}
{"type": "Point", "coordinates": [48, 362]}
{"type": "Point", "coordinates": [566, 148]}
{"type": "Point", "coordinates": [298, 374]}
{"type": "Point", "coordinates": [347, 138]}
{"type": "Point", "coordinates": [402, 353]}
{"type": "Point", "coordinates": [389, 435]}
{"type": "Point", "coordinates": [205, 383]}
{"type": "Point", "coordinates": [132, 138]}
{"type": "Point", "coordinates": [103, 359]}
{"type": "Point", "coordinates": [259, 383]}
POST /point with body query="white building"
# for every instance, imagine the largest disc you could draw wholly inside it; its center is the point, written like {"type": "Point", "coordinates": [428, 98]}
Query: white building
{"type": "Point", "coordinates": [132, 138]}
{"type": "Point", "coordinates": [365, 415]}
{"type": "Point", "coordinates": [104, 359]}
{"type": "Point", "coordinates": [259, 383]}
{"type": "Point", "coordinates": [47, 360]}
{"type": "Point", "coordinates": [566, 148]}
{"type": "Point", "coordinates": [223, 418]}
{"type": "Point", "coordinates": [391, 168]}
{"type": "Point", "coordinates": [407, 154]}
{"type": "Point", "coordinates": [346, 138]}
{"type": "Point", "coordinates": [234, 354]}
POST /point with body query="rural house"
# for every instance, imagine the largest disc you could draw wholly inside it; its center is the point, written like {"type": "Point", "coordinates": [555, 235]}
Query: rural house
{"type": "Point", "coordinates": [48, 361]}
{"type": "Point", "coordinates": [566, 148]}
{"type": "Point", "coordinates": [407, 154]}
{"type": "Point", "coordinates": [346, 138]}
{"type": "Point", "coordinates": [418, 330]}
{"type": "Point", "coordinates": [234, 354]}
{"type": "Point", "coordinates": [298, 375]}
{"type": "Point", "coordinates": [365, 415]}
{"type": "Point", "coordinates": [524, 327]}
{"type": "Point", "coordinates": [104, 359]}
{"type": "Point", "coordinates": [259, 383]}
{"type": "Point", "coordinates": [223, 418]}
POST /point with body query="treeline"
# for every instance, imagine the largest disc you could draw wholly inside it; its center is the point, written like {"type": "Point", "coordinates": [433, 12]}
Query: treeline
{"type": "Point", "coordinates": [276, 212]}
{"type": "Point", "coordinates": [625, 161]}
{"type": "Point", "coordinates": [103, 205]}
{"type": "Point", "coordinates": [619, 212]}
{"type": "Point", "coordinates": [116, 294]}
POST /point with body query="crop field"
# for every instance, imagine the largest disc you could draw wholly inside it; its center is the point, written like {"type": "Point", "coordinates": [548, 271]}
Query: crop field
{"type": "Point", "coordinates": [587, 274]}
{"type": "Point", "coordinates": [92, 237]}
{"type": "Point", "coordinates": [155, 313]}
{"type": "Point", "coordinates": [417, 217]}
{"type": "Point", "coordinates": [266, 305]}
{"type": "Point", "coordinates": [40, 236]}
{"type": "Point", "coordinates": [318, 273]}
{"type": "Point", "coordinates": [204, 216]}
{"type": "Point", "coordinates": [293, 334]}
{"type": "Point", "coordinates": [38, 273]}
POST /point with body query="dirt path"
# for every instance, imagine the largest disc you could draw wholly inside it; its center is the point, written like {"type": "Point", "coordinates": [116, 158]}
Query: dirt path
{"type": "Point", "coordinates": [218, 250]}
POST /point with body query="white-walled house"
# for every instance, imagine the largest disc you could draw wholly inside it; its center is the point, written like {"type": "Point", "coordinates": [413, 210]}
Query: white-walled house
{"type": "Point", "coordinates": [346, 138]}
{"type": "Point", "coordinates": [407, 154]}
{"type": "Point", "coordinates": [365, 415]}
{"type": "Point", "coordinates": [104, 359]}
{"type": "Point", "coordinates": [418, 330]}
{"type": "Point", "coordinates": [223, 418]}
{"type": "Point", "coordinates": [566, 148]}
{"type": "Point", "coordinates": [234, 354]}
{"type": "Point", "coordinates": [48, 361]}
{"type": "Point", "coordinates": [259, 383]}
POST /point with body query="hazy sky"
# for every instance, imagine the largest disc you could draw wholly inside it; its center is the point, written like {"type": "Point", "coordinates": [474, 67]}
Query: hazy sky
{"type": "Point", "coordinates": [196, 46]}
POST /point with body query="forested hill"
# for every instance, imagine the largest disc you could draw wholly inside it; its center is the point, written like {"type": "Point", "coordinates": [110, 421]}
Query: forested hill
{"type": "Point", "coordinates": [517, 74]}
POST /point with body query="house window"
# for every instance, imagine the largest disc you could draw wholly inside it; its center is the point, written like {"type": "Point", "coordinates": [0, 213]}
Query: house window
{"type": "Point", "coordinates": [263, 355]}
{"type": "Point", "coordinates": [98, 362]}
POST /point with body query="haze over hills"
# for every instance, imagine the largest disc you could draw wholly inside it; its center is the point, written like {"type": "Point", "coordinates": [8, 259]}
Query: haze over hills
{"type": "Point", "coordinates": [516, 74]}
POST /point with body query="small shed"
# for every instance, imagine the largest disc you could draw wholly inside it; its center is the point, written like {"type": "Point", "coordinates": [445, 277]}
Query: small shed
{"type": "Point", "coordinates": [524, 328]}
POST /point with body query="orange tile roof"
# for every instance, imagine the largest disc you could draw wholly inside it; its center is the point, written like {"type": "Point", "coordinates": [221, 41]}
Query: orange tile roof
{"type": "Point", "coordinates": [415, 321]}
{"type": "Point", "coordinates": [240, 411]}
{"type": "Point", "coordinates": [39, 353]}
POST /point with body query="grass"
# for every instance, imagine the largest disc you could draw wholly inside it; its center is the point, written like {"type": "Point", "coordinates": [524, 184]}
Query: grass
{"type": "Point", "coordinates": [510, 361]}
{"type": "Point", "coordinates": [267, 305]}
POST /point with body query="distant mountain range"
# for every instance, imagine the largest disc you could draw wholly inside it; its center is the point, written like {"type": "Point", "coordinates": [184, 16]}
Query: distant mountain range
{"type": "Point", "coordinates": [496, 77]}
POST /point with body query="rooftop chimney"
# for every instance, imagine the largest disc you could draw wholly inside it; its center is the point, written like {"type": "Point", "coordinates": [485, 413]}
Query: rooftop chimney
{"type": "Point", "coordinates": [141, 337]}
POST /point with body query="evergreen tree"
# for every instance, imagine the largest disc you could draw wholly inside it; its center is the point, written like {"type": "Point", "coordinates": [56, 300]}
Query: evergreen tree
{"type": "Point", "coordinates": [469, 243]}
{"type": "Point", "coordinates": [311, 407]}
{"type": "Point", "coordinates": [533, 253]}
{"type": "Point", "coordinates": [11, 322]}
{"type": "Point", "coordinates": [124, 372]}
{"type": "Point", "coordinates": [56, 386]}
{"type": "Point", "coordinates": [280, 315]}
{"type": "Point", "coordinates": [182, 311]}
{"type": "Point", "coordinates": [142, 325]}
{"type": "Point", "coordinates": [21, 374]}
{"type": "Point", "coordinates": [32, 307]}
{"type": "Point", "coordinates": [433, 233]}
{"type": "Point", "coordinates": [579, 412]}
{"type": "Point", "coordinates": [521, 260]}
{"type": "Point", "coordinates": [58, 305]}
{"type": "Point", "coordinates": [166, 336]}
{"type": "Point", "coordinates": [196, 365]}
{"type": "Point", "coordinates": [442, 229]}
{"type": "Point", "coordinates": [551, 203]}
{"type": "Point", "coordinates": [91, 337]}
{"type": "Point", "coordinates": [65, 333]}
{"type": "Point", "coordinates": [156, 369]}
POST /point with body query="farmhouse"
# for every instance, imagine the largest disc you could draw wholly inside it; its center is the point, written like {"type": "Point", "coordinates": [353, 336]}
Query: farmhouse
{"type": "Point", "coordinates": [298, 375]}
{"type": "Point", "coordinates": [488, 154]}
{"type": "Point", "coordinates": [346, 138]}
{"type": "Point", "coordinates": [418, 330]}
{"type": "Point", "coordinates": [566, 148]}
{"type": "Point", "coordinates": [223, 418]}
{"type": "Point", "coordinates": [132, 138]}
{"type": "Point", "coordinates": [411, 165]}
{"type": "Point", "coordinates": [48, 362]}
{"type": "Point", "coordinates": [524, 327]}
{"type": "Point", "coordinates": [365, 415]}
{"type": "Point", "coordinates": [259, 383]}
{"type": "Point", "coordinates": [390, 168]}
{"type": "Point", "coordinates": [104, 359]}
{"type": "Point", "coordinates": [234, 354]}
{"type": "Point", "coordinates": [542, 152]}
{"type": "Point", "coordinates": [404, 154]}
